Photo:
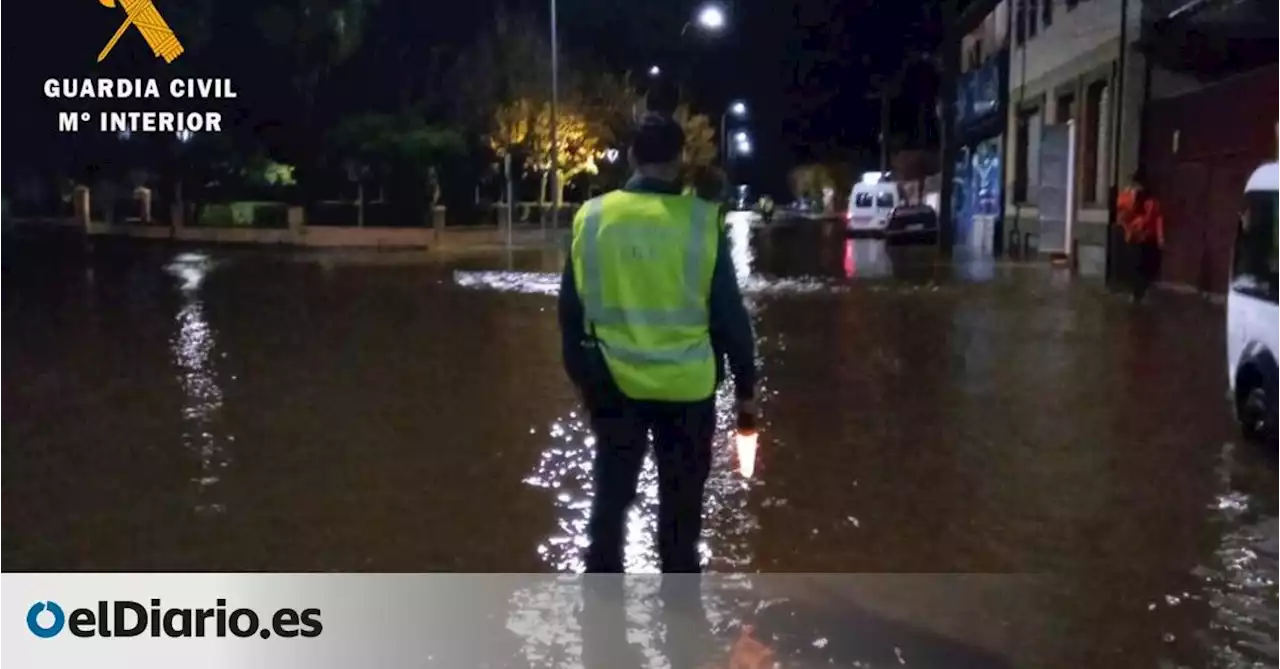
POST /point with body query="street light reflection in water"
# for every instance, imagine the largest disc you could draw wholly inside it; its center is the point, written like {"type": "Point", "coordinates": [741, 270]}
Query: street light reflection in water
{"type": "Point", "coordinates": [193, 348]}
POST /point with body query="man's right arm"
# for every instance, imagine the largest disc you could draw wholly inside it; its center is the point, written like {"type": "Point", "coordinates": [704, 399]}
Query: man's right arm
{"type": "Point", "coordinates": [731, 332]}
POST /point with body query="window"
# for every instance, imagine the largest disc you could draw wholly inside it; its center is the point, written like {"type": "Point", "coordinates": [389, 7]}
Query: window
{"type": "Point", "coordinates": [1093, 143]}
{"type": "Point", "coordinates": [1047, 12]}
{"type": "Point", "coordinates": [1032, 23]}
{"type": "Point", "coordinates": [1026, 175]}
{"type": "Point", "coordinates": [1253, 265]}
{"type": "Point", "coordinates": [1066, 108]}
{"type": "Point", "coordinates": [862, 200]}
{"type": "Point", "coordinates": [884, 200]}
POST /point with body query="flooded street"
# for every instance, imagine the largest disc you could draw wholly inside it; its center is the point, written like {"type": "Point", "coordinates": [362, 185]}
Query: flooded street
{"type": "Point", "coordinates": [222, 409]}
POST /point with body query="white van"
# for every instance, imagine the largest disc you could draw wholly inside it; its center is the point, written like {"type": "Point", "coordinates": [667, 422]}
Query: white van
{"type": "Point", "coordinates": [871, 203]}
{"type": "Point", "coordinates": [1253, 321]}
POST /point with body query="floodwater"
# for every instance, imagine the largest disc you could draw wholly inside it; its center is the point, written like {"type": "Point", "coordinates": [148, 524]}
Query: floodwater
{"type": "Point", "coordinates": [177, 409]}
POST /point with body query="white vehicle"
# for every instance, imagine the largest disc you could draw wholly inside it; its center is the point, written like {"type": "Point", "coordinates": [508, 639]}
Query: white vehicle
{"type": "Point", "coordinates": [871, 204]}
{"type": "Point", "coordinates": [1253, 321]}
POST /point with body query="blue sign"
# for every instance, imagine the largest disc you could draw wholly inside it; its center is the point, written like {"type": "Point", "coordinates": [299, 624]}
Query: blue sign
{"type": "Point", "coordinates": [979, 92]}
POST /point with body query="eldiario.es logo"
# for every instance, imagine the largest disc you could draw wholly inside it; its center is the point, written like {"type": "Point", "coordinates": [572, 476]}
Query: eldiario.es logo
{"type": "Point", "coordinates": [125, 618]}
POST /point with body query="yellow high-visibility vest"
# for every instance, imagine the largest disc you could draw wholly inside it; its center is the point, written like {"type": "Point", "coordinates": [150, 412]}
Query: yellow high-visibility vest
{"type": "Point", "coordinates": [642, 264]}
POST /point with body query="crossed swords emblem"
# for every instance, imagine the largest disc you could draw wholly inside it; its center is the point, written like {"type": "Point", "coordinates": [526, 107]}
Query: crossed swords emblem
{"type": "Point", "coordinates": [143, 14]}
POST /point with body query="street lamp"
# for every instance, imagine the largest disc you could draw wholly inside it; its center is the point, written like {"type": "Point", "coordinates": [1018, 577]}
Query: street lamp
{"type": "Point", "coordinates": [744, 147]}
{"type": "Point", "coordinates": [740, 137]}
{"type": "Point", "coordinates": [655, 71]}
{"type": "Point", "coordinates": [737, 109]}
{"type": "Point", "coordinates": [710, 19]}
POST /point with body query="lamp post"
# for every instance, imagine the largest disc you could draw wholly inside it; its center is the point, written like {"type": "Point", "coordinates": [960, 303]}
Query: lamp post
{"type": "Point", "coordinates": [555, 121]}
{"type": "Point", "coordinates": [710, 19]}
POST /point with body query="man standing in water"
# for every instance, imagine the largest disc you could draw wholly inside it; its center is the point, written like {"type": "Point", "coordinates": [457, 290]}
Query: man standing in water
{"type": "Point", "coordinates": [649, 308]}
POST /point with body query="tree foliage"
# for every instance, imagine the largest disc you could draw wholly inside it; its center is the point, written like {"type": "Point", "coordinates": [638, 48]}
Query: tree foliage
{"type": "Point", "coordinates": [314, 36]}
{"type": "Point", "coordinates": [511, 61]}
{"type": "Point", "coordinates": [383, 141]}
{"type": "Point", "coordinates": [523, 129]}
{"type": "Point", "coordinates": [699, 138]}
{"type": "Point", "coordinates": [810, 180]}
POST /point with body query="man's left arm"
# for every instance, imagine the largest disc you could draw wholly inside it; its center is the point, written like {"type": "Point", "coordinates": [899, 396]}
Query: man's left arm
{"type": "Point", "coordinates": [572, 330]}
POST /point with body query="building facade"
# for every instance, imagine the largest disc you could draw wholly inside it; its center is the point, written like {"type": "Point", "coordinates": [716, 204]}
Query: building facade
{"type": "Point", "coordinates": [1064, 66]}
{"type": "Point", "coordinates": [981, 100]}
{"type": "Point", "coordinates": [1211, 119]}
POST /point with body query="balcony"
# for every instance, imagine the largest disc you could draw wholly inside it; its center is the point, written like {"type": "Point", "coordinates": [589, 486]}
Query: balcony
{"type": "Point", "coordinates": [1210, 38]}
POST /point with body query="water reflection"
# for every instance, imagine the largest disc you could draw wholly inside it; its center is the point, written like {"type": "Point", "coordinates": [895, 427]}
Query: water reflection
{"type": "Point", "coordinates": [193, 350]}
{"type": "Point", "coordinates": [1240, 582]}
{"type": "Point", "coordinates": [867, 259]}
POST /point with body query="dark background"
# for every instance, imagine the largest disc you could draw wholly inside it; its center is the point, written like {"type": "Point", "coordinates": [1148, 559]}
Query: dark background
{"type": "Point", "coordinates": [804, 67]}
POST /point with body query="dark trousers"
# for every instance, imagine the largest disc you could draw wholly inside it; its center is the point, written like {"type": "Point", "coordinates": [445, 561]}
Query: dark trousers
{"type": "Point", "coordinates": [1146, 263]}
{"type": "Point", "coordinates": [682, 435]}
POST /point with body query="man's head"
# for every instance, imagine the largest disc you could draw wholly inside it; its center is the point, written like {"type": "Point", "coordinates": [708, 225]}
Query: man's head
{"type": "Point", "coordinates": [656, 147]}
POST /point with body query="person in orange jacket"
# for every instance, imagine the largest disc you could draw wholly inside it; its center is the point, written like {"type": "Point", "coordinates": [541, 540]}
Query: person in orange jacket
{"type": "Point", "coordinates": [1139, 216]}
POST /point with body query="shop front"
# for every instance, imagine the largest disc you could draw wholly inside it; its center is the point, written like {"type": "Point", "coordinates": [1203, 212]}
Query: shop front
{"type": "Point", "coordinates": [978, 196]}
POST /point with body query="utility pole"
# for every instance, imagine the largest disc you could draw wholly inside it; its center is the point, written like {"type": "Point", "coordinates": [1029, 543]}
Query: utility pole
{"type": "Point", "coordinates": [885, 130]}
{"type": "Point", "coordinates": [950, 75]}
{"type": "Point", "coordinates": [555, 123]}
{"type": "Point", "coordinates": [1117, 133]}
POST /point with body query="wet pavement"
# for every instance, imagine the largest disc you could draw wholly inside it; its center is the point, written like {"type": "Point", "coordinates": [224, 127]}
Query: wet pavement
{"type": "Point", "coordinates": [180, 409]}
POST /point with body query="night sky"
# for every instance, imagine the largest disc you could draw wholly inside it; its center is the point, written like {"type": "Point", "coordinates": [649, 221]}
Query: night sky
{"type": "Point", "coordinates": [803, 67]}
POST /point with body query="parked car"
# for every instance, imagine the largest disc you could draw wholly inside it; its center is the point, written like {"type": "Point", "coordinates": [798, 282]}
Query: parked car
{"type": "Point", "coordinates": [912, 222]}
{"type": "Point", "coordinates": [1252, 317]}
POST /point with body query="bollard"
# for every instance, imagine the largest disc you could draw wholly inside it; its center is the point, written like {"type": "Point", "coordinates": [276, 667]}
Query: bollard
{"type": "Point", "coordinates": [296, 219]}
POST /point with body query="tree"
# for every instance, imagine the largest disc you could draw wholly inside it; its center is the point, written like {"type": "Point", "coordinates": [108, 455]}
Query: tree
{"type": "Point", "coordinates": [808, 181]}
{"type": "Point", "coordinates": [699, 138]}
{"type": "Point", "coordinates": [518, 130]}
{"type": "Point", "coordinates": [509, 62]}
{"type": "Point", "coordinates": [402, 149]}
{"type": "Point", "coordinates": [314, 35]}
{"type": "Point", "coordinates": [607, 101]}
{"type": "Point", "coordinates": [311, 37]}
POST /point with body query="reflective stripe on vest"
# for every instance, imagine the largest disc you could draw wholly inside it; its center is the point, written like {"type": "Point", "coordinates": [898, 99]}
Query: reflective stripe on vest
{"type": "Point", "coordinates": [643, 266]}
{"type": "Point", "coordinates": [694, 310]}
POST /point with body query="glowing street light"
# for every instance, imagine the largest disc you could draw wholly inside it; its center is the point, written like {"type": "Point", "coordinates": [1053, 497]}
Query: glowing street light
{"type": "Point", "coordinates": [712, 18]}
{"type": "Point", "coordinates": [741, 137]}
{"type": "Point", "coordinates": [737, 109]}
{"type": "Point", "coordinates": [744, 148]}
{"type": "Point", "coordinates": [655, 71]}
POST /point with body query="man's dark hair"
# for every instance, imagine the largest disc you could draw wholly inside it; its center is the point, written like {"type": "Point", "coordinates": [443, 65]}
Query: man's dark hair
{"type": "Point", "coordinates": [658, 139]}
